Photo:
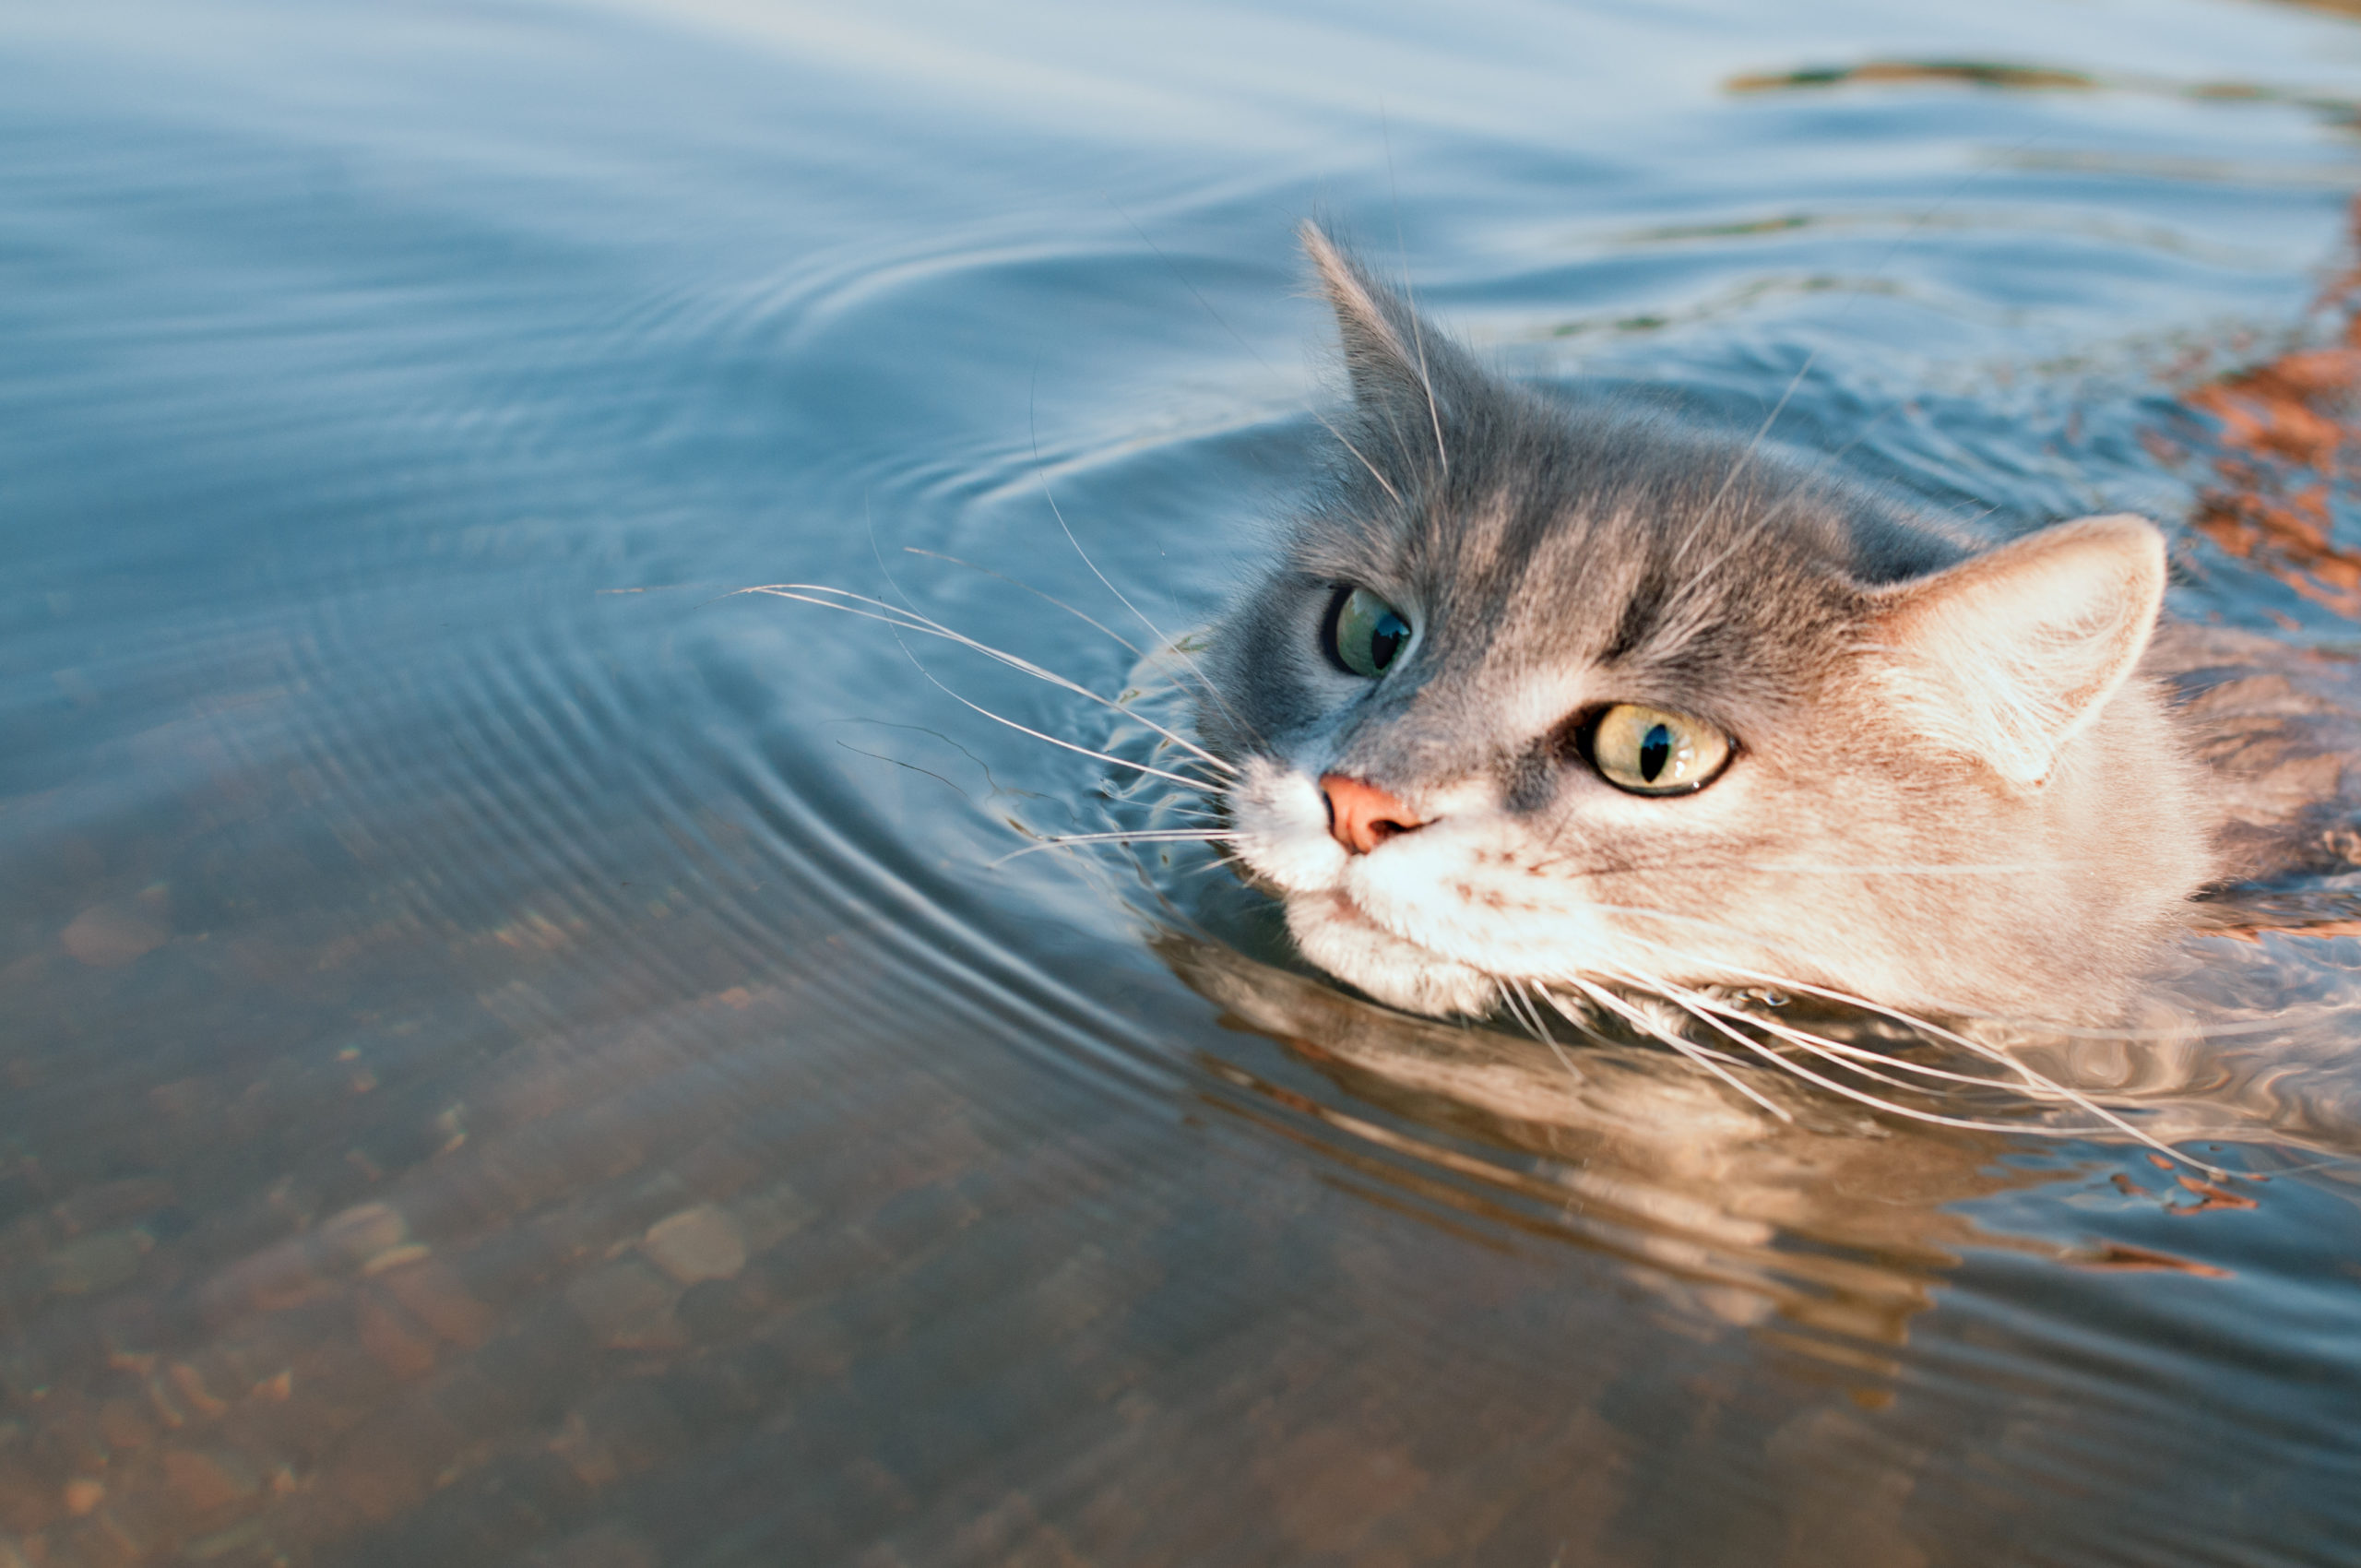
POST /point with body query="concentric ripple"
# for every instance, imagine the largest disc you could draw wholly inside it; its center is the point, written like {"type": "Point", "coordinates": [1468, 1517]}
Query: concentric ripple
{"type": "Point", "coordinates": [521, 1051]}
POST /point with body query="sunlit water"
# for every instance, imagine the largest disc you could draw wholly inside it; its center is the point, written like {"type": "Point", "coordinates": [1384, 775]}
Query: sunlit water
{"type": "Point", "coordinates": [515, 1056]}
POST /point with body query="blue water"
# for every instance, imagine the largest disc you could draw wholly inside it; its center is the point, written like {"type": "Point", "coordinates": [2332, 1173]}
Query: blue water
{"type": "Point", "coordinates": [516, 1053]}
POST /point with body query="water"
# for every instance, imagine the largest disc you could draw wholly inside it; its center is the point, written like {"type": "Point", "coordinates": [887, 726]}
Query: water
{"type": "Point", "coordinates": [515, 1056]}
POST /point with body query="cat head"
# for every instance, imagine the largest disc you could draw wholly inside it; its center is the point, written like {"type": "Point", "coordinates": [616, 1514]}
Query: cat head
{"type": "Point", "coordinates": [1574, 695]}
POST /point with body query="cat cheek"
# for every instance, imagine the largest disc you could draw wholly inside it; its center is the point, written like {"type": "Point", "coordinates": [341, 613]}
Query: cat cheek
{"type": "Point", "coordinates": [1512, 925]}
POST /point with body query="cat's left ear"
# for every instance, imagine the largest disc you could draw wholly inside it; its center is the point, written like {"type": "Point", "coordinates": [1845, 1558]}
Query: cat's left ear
{"type": "Point", "coordinates": [2008, 656]}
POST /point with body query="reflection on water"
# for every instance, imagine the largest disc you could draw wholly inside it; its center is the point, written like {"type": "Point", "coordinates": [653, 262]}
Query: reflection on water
{"type": "Point", "coordinates": [1825, 1219]}
{"type": "Point", "coordinates": [2280, 454]}
{"type": "Point", "coordinates": [516, 1054]}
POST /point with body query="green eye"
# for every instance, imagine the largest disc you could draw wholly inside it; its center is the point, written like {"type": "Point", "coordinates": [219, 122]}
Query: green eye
{"type": "Point", "coordinates": [1652, 750]}
{"type": "Point", "coordinates": [1365, 633]}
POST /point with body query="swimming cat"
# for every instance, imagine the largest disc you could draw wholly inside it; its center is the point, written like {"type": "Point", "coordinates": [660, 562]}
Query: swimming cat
{"type": "Point", "coordinates": [1543, 696]}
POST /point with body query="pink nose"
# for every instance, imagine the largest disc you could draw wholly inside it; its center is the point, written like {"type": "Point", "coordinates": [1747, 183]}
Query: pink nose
{"type": "Point", "coordinates": [1361, 816]}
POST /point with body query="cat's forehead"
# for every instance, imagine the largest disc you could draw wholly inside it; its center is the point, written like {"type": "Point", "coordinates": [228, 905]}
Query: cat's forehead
{"type": "Point", "coordinates": [1525, 575]}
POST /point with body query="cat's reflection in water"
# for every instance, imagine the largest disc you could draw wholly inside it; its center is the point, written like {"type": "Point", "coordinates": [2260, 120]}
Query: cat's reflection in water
{"type": "Point", "coordinates": [1825, 1222]}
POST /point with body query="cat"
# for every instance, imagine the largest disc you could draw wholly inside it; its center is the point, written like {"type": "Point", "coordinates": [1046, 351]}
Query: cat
{"type": "Point", "coordinates": [1546, 699]}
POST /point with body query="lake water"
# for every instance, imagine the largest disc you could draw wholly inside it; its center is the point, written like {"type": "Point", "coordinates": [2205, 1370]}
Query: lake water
{"type": "Point", "coordinates": [516, 1055]}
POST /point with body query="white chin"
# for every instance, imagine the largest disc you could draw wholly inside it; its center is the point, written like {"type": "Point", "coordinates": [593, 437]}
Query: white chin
{"type": "Point", "coordinates": [1335, 935]}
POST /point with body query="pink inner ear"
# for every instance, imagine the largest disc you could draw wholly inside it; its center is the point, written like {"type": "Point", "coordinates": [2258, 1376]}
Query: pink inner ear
{"type": "Point", "coordinates": [2009, 655]}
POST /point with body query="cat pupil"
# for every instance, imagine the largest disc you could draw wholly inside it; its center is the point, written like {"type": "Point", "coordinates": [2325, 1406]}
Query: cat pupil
{"type": "Point", "coordinates": [1656, 750]}
{"type": "Point", "coordinates": [1387, 639]}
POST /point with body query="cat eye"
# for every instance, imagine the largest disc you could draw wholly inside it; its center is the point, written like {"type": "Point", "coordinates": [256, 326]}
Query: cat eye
{"type": "Point", "coordinates": [1365, 633]}
{"type": "Point", "coordinates": [1654, 751]}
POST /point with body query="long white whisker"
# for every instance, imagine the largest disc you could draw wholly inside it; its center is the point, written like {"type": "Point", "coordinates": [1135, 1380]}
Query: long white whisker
{"type": "Point", "coordinates": [2045, 1086]}
{"type": "Point", "coordinates": [2262, 1026]}
{"type": "Point", "coordinates": [1752, 446]}
{"type": "Point", "coordinates": [1383, 482]}
{"type": "Point", "coordinates": [1570, 1009]}
{"type": "Point", "coordinates": [1050, 496]}
{"type": "Point", "coordinates": [1212, 691]}
{"type": "Point", "coordinates": [1788, 1064]}
{"type": "Point", "coordinates": [1852, 1057]}
{"type": "Point", "coordinates": [1519, 1007]}
{"type": "Point", "coordinates": [912, 620]}
{"type": "Point", "coordinates": [1547, 1039]}
{"type": "Point", "coordinates": [1781, 981]}
{"type": "Point", "coordinates": [1121, 641]}
{"type": "Point", "coordinates": [1066, 840]}
{"type": "Point", "coordinates": [2009, 868]}
{"type": "Point", "coordinates": [1654, 1031]}
{"type": "Point", "coordinates": [1409, 291]}
{"type": "Point", "coordinates": [1144, 836]}
{"type": "Point", "coordinates": [1026, 730]}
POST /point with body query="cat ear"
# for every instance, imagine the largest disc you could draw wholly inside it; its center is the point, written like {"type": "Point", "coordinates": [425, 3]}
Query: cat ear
{"type": "Point", "coordinates": [2009, 655]}
{"type": "Point", "coordinates": [1397, 362]}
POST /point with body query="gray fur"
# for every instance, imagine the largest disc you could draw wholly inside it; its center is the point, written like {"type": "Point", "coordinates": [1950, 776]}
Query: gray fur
{"type": "Point", "coordinates": [1568, 557]}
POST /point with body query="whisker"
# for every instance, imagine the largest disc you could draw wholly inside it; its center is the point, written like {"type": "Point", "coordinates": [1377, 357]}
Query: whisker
{"type": "Point", "coordinates": [1064, 840]}
{"type": "Point", "coordinates": [1958, 1009]}
{"type": "Point", "coordinates": [1851, 1057]}
{"type": "Point", "coordinates": [912, 620]}
{"type": "Point", "coordinates": [1069, 745]}
{"type": "Point", "coordinates": [1409, 291]}
{"type": "Point", "coordinates": [1121, 641]}
{"type": "Point", "coordinates": [1689, 1049]}
{"type": "Point", "coordinates": [1519, 1007]}
{"type": "Point", "coordinates": [1143, 834]}
{"type": "Point", "coordinates": [1774, 944]}
{"type": "Point", "coordinates": [1826, 463]}
{"type": "Point", "coordinates": [1162, 641]}
{"type": "Point", "coordinates": [1747, 456]}
{"type": "Point", "coordinates": [1789, 1064]}
{"type": "Point", "coordinates": [1383, 482]}
{"type": "Point", "coordinates": [2046, 1086]}
{"type": "Point", "coordinates": [1542, 1029]}
{"type": "Point", "coordinates": [2003, 869]}
{"type": "Point", "coordinates": [1570, 1009]}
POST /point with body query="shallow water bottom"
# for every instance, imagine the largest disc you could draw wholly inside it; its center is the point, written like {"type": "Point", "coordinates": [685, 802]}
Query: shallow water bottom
{"type": "Point", "coordinates": [517, 1052]}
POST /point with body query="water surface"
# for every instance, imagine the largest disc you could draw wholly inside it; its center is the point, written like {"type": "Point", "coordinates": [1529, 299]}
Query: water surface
{"type": "Point", "coordinates": [517, 1055]}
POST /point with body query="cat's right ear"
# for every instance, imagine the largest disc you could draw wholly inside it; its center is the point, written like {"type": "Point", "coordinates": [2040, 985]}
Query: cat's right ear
{"type": "Point", "coordinates": [1397, 364]}
{"type": "Point", "coordinates": [2009, 655]}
